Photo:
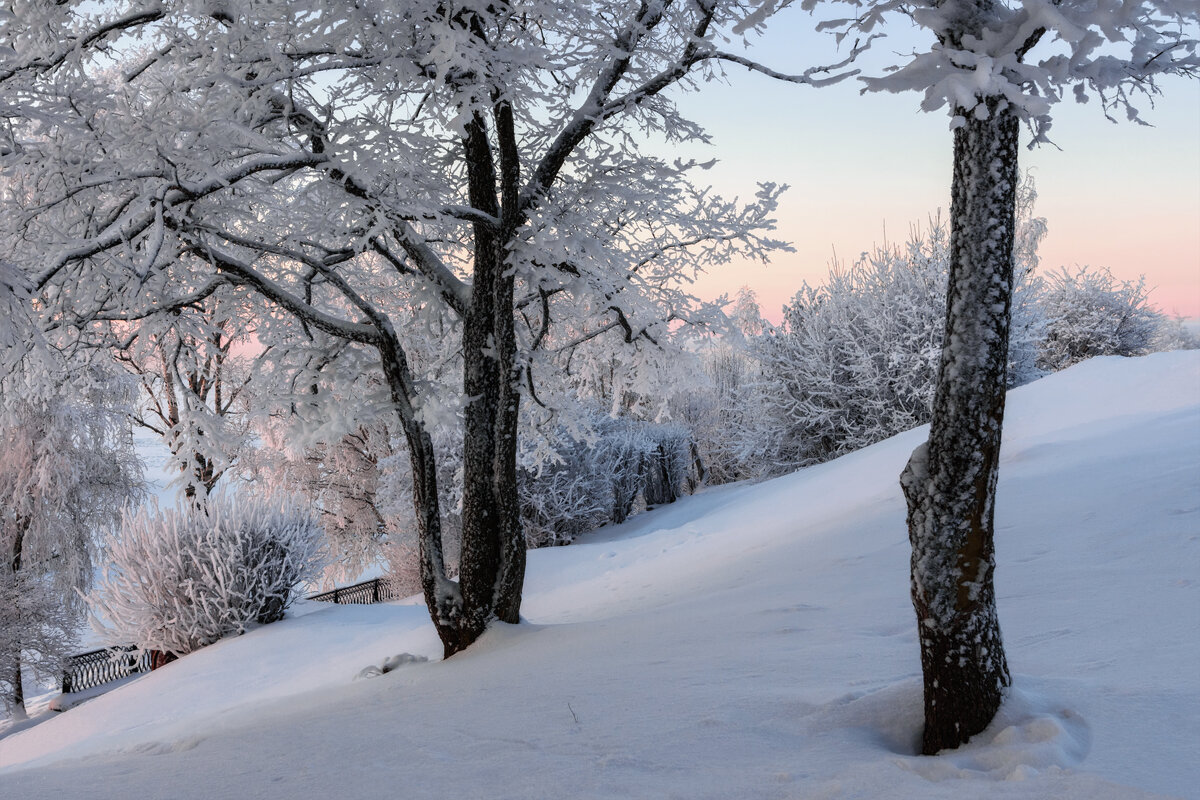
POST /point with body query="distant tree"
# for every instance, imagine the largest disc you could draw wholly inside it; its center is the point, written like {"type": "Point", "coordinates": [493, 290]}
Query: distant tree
{"type": "Point", "coordinates": [721, 394]}
{"type": "Point", "coordinates": [994, 64]}
{"type": "Point", "coordinates": [67, 468]}
{"type": "Point", "coordinates": [342, 479]}
{"type": "Point", "coordinates": [194, 383]}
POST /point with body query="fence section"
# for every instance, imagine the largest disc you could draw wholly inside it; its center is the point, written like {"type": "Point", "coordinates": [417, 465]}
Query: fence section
{"type": "Point", "coordinates": [375, 590]}
{"type": "Point", "coordinates": [96, 667]}
{"type": "Point", "coordinates": [85, 670]}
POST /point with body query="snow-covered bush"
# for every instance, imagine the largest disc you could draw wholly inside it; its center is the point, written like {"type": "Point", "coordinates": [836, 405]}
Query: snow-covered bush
{"type": "Point", "coordinates": [627, 466]}
{"type": "Point", "coordinates": [1173, 334]}
{"type": "Point", "coordinates": [855, 359]}
{"type": "Point", "coordinates": [1090, 313]}
{"type": "Point", "coordinates": [179, 579]}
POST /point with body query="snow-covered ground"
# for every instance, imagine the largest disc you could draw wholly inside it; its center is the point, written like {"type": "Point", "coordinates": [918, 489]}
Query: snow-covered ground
{"type": "Point", "coordinates": [748, 642]}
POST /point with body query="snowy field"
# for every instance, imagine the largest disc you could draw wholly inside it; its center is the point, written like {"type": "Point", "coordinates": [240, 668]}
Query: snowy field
{"type": "Point", "coordinates": [748, 642]}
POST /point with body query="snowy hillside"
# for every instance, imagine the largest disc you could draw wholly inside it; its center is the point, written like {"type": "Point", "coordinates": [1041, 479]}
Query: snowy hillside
{"type": "Point", "coordinates": [748, 642]}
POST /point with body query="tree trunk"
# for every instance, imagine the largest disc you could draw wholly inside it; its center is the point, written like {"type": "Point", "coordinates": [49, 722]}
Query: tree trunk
{"type": "Point", "coordinates": [18, 690]}
{"type": "Point", "coordinates": [492, 563]}
{"type": "Point", "coordinates": [950, 481]}
{"type": "Point", "coordinates": [442, 596]}
{"type": "Point", "coordinates": [14, 564]}
{"type": "Point", "coordinates": [511, 576]}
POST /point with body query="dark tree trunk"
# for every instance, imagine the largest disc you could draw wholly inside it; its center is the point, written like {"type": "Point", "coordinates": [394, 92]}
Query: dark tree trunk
{"type": "Point", "coordinates": [492, 563]}
{"type": "Point", "coordinates": [492, 559]}
{"type": "Point", "coordinates": [14, 564]}
{"type": "Point", "coordinates": [204, 474]}
{"type": "Point", "coordinates": [18, 688]}
{"type": "Point", "coordinates": [510, 578]}
{"type": "Point", "coordinates": [442, 596]}
{"type": "Point", "coordinates": [950, 481]}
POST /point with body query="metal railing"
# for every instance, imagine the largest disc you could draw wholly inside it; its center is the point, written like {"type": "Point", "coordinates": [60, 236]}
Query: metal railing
{"type": "Point", "coordinates": [96, 667]}
{"type": "Point", "coordinates": [375, 590]}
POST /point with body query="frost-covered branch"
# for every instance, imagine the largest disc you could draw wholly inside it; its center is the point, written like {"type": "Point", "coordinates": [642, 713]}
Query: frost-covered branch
{"type": "Point", "coordinates": [1034, 52]}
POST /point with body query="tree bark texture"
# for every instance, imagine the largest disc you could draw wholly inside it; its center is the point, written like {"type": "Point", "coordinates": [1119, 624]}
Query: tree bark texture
{"type": "Point", "coordinates": [14, 564]}
{"type": "Point", "coordinates": [442, 596]}
{"type": "Point", "coordinates": [950, 481]}
{"type": "Point", "coordinates": [492, 562]}
{"type": "Point", "coordinates": [18, 689]}
{"type": "Point", "coordinates": [492, 559]}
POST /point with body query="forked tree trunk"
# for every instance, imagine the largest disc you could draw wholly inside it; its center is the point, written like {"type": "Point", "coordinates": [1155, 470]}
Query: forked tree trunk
{"type": "Point", "coordinates": [950, 481]}
{"type": "Point", "coordinates": [492, 563]}
{"type": "Point", "coordinates": [491, 569]}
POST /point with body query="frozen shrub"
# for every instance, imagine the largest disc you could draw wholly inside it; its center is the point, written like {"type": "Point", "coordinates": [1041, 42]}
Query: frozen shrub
{"type": "Point", "coordinates": [180, 579]}
{"type": "Point", "coordinates": [1090, 313]}
{"type": "Point", "coordinates": [628, 465]}
{"type": "Point", "coordinates": [1173, 334]}
{"type": "Point", "coordinates": [855, 360]}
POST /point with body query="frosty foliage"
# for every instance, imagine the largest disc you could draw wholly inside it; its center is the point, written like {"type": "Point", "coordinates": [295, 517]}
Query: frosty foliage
{"type": "Point", "coordinates": [31, 368]}
{"type": "Point", "coordinates": [626, 466]}
{"type": "Point", "coordinates": [721, 397]}
{"type": "Point", "coordinates": [855, 359]}
{"type": "Point", "coordinates": [1090, 313]}
{"type": "Point", "coordinates": [1028, 53]}
{"type": "Point", "coordinates": [195, 381]}
{"type": "Point", "coordinates": [342, 481]}
{"type": "Point", "coordinates": [179, 579]}
{"type": "Point", "coordinates": [378, 174]}
{"type": "Point", "coordinates": [16, 326]}
{"type": "Point", "coordinates": [37, 633]}
{"type": "Point", "coordinates": [66, 470]}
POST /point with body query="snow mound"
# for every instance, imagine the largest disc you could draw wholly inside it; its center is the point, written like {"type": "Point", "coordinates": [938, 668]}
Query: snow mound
{"type": "Point", "coordinates": [390, 663]}
{"type": "Point", "coordinates": [1031, 734]}
{"type": "Point", "coordinates": [755, 642]}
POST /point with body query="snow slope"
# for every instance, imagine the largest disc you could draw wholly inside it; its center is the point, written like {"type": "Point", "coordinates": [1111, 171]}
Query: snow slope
{"type": "Point", "coordinates": [748, 642]}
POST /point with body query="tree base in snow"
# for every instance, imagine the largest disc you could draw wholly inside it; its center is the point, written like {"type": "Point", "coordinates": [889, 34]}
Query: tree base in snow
{"type": "Point", "coordinates": [963, 690]}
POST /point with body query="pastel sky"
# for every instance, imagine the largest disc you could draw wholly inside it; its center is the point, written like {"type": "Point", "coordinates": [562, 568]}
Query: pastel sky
{"type": "Point", "coordinates": [864, 168]}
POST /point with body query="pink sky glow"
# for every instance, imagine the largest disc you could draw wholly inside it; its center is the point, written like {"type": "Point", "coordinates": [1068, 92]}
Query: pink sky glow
{"type": "Point", "coordinates": [862, 167]}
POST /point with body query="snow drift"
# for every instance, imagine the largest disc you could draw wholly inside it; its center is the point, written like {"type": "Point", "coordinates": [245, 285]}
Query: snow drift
{"type": "Point", "coordinates": [752, 641]}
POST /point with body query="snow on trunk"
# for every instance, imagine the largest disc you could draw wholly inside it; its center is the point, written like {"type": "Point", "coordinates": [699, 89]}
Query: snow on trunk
{"type": "Point", "coordinates": [950, 482]}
